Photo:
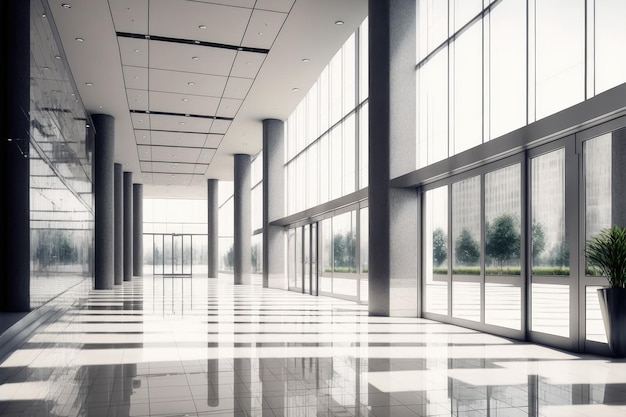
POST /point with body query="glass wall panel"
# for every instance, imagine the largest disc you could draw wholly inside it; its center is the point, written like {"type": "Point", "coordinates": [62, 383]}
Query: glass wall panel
{"type": "Point", "coordinates": [364, 254]}
{"type": "Point", "coordinates": [344, 243]}
{"type": "Point", "coordinates": [433, 109]}
{"type": "Point", "coordinates": [594, 322]}
{"type": "Point", "coordinates": [291, 257]}
{"type": "Point", "coordinates": [550, 251]}
{"type": "Point", "coordinates": [610, 36]}
{"type": "Point", "coordinates": [466, 300]}
{"type": "Point", "coordinates": [468, 91]}
{"type": "Point", "coordinates": [349, 75]}
{"type": "Point", "coordinates": [560, 55]}
{"type": "Point", "coordinates": [550, 309]}
{"type": "Point", "coordinates": [432, 25]}
{"type": "Point", "coordinates": [324, 178]}
{"type": "Point", "coordinates": [256, 254]}
{"type": "Point", "coordinates": [435, 258]}
{"type": "Point", "coordinates": [312, 178]}
{"type": "Point", "coordinates": [464, 11]}
{"type": "Point", "coordinates": [336, 158]}
{"type": "Point", "coordinates": [502, 221]}
{"type": "Point", "coordinates": [466, 226]}
{"type": "Point", "coordinates": [364, 146]}
{"type": "Point", "coordinates": [349, 155]}
{"type": "Point", "coordinates": [503, 305]}
{"type": "Point", "coordinates": [336, 87]}
{"type": "Point", "coordinates": [507, 71]}
{"type": "Point", "coordinates": [257, 207]}
{"type": "Point", "coordinates": [200, 257]}
{"type": "Point", "coordinates": [326, 253]}
{"type": "Point", "coordinates": [598, 166]}
{"type": "Point", "coordinates": [363, 61]}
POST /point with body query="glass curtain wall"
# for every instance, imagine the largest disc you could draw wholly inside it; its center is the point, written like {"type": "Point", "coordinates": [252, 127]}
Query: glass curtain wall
{"type": "Point", "coordinates": [486, 70]}
{"type": "Point", "coordinates": [326, 136]}
{"type": "Point", "coordinates": [60, 154]}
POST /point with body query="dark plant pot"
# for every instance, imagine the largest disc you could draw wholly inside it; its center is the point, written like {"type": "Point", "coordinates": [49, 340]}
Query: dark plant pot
{"type": "Point", "coordinates": [613, 307]}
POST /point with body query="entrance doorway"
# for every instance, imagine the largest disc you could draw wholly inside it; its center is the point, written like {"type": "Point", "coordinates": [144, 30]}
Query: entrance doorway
{"type": "Point", "coordinates": [302, 252]}
{"type": "Point", "coordinates": [172, 254]}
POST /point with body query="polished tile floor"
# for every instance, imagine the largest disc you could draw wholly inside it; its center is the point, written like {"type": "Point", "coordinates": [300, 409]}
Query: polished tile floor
{"type": "Point", "coordinates": [199, 347]}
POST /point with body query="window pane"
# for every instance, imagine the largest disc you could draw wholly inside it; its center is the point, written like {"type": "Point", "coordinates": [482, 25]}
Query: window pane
{"type": "Point", "coordinates": [312, 114]}
{"type": "Point", "coordinates": [550, 309]}
{"type": "Point", "coordinates": [464, 11]}
{"type": "Point", "coordinates": [610, 33]}
{"type": "Point", "coordinates": [466, 300]}
{"type": "Point", "coordinates": [433, 109]}
{"type": "Point", "coordinates": [336, 162]}
{"type": "Point", "coordinates": [432, 26]}
{"type": "Point", "coordinates": [436, 250]}
{"type": "Point", "coordinates": [364, 253]}
{"type": "Point", "coordinates": [507, 57]}
{"type": "Point", "coordinates": [594, 322]}
{"type": "Point", "coordinates": [291, 257]}
{"type": "Point", "coordinates": [466, 226]}
{"type": "Point", "coordinates": [336, 88]}
{"type": "Point", "coordinates": [349, 75]}
{"type": "Point", "coordinates": [364, 146]}
{"type": "Point", "coordinates": [502, 221]}
{"type": "Point", "coordinates": [363, 61]}
{"type": "Point", "coordinates": [326, 263]}
{"type": "Point", "coordinates": [324, 187]}
{"type": "Point", "coordinates": [344, 244]}
{"type": "Point", "coordinates": [349, 155]}
{"type": "Point", "coordinates": [468, 90]}
{"type": "Point", "coordinates": [598, 198]}
{"type": "Point", "coordinates": [560, 55]}
{"type": "Point", "coordinates": [311, 176]}
{"type": "Point", "coordinates": [503, 305]}
{"type": "Point", "coordinates": [550, 251]}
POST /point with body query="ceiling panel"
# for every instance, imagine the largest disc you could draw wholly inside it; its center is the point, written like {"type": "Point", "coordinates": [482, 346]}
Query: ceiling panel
{"type": "Point", "coordinates": [142, 137]}
{"type": "Point", "coordinates": [130, 15]}
{"type": "Point", "coordinates": [247, 64]}
{"type": "Point", "coordinates": [206, 155]}
{"type": "Point", "coordinates": [133, 51]}
{"type": "Point", "coordinates": [213, 140]}
{"type": "Point", "coordinates": [171, 179]}
{"type": "Point", "coordinates": [275, 5]}
{"type": "Point", "coordinates": [137, 99]}
{"type": "Point", "coordinates": [179, 57]}
{"type": "Point", "coordinates": [182, 19]}
{"type": "Point", "coordinates": [136, 77]}
{"type": "Point", "coordinates": [169, 153]}
{"type": "Point", "coordinates": [198, 180]}
{"type": "Point", "coordinates": [228, 107]}
{"type": "Point", "coordinates": [192, 140]}
{"type": "Point", "coordinates": [263, 29]}
{"type": "Point", "coordinates": [140, 120]}
{"type": "Point", "coordinates": [183, 103]}
{"type": "Point", "coordinates": [237, 87]}
{"type": "Point", "coordinates": [187, 83]}
{"type": "Point", "coordinates": [146, 166]}
{"type": "Point", "coordinates": [220, 126]}
{"type": "Point", "coordinates": [237, 3]}
{"type": "Point", "coordinates": [174, 168]}
{"type": "Point", "coordinates": [180, 123]}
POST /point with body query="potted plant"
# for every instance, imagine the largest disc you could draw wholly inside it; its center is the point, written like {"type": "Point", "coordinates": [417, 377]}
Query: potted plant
{"type": "Point", "coordinates": [607, 252]}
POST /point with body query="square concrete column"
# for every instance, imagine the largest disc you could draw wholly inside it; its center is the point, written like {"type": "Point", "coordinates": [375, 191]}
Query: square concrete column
{"type": "Point", "coordinates": [119, 225]}
{"type": "Point", "coordinates": [104, 150]}
{"type": "Point", "coordinates": [212, 227]}
{"type": "Point", "coordinates": [243, 223]}
{"type": "Point", "coordinates": [138, 230]}
{"type": "Point", "coordinates": [273, 203]}
{"type": "Point", "coordinates": [14, 157]}
{"type": "Point", "coordinates": [393, 257]}
{"type": "Point", "coordinates": [128, 226]}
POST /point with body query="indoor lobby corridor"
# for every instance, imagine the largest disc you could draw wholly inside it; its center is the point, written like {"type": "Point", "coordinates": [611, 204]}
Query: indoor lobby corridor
{"type": "Point", "coordinates": [204, 347]}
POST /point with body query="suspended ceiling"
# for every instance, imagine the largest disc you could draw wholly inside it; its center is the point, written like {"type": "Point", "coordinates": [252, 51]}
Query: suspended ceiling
{"type": "Point", "coordinates": [189, 82]}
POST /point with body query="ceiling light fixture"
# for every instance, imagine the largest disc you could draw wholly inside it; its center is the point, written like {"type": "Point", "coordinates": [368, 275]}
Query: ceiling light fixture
{"type": "Point", "coordinates": [44, 16]}
{"type": "Point", "coordinates": [191, 83]}
{"type": "Point", "coordinates": [260, 33]}
{"type": "Point", "coordinates": [202, 27]}
{"type": "Point", "coordinates": [80, 40]}
{"type": "Point", "coordinates": [195, 58]}
{"type": "Point", "coordinates": [99, 107]}
{"type": "Point", "coordinates": [196, 42]}
{"type": "Point", "coordinates": [182, 123]}
{"type": "Point", "coordinates": [87, 125]}
{"type": "Point", "coordinates": [295, 89]}
{"type": "Point", "coordinates": [136, 50]}
{"type": "Point", "coordinates": [89, 83]}
{"type": "Point", "coordinates": [66, 6]}
{"type": "Point", "coordinates": [305, 60]}
{"type": "Point", "coordinates": [57, 56]}
{"type": "Point", "coordinates": [185, 100]}
{"type": "Point", "coordinates": [339, 22]}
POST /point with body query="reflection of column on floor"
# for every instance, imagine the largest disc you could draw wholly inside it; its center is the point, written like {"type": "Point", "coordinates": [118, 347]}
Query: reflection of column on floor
{"type": "Point", "coordinates": [378, 400]}
{"type": "Point", "coordinates": [533, 396]}
{"type": "Point", "coordinates": [273, 386]}
{"type": "Point", "coordinates": [242, 384]}
{"type": "Point", "coordinates": [213, 379]}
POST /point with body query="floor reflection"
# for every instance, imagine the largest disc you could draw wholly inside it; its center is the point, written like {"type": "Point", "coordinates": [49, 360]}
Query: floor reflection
{"type": "Point", "coordinates": [207, 348]}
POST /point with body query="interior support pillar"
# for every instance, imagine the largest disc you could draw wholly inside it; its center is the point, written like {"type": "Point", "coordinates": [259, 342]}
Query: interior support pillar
{"type": "Point", "coordinates": [104, 151]}
{"type": "Point", "coordinates": [14, 156]}
{"type": "Point", "coordinates": [273, 203]}
{"type": "Point", "coordinates": [138, 230]}
{"type": "Point", "coordinates": [212, 227]}
{"type": "Point", "coordinates": [243, 222]}
{"type": "Point", "coordinates": [118, 273]}
{"type": "Point", "coordinates": [128, 226]}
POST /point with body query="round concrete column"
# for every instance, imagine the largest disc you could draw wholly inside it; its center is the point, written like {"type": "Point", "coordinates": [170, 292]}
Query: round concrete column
{"type": "Point", "coordinates": [128, 226]}
{"type": "Point", "coordinates": [119, 225]}
{"type": "Point", "coordinates": [138, 230]}
{"type": "Point", "coordinates": [212, 227]}
{"type": "Point", "coordinates": [243, 222]}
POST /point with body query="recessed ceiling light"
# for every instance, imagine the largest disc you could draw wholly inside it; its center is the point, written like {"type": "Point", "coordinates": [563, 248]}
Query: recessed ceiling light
{"type": "Point", "coordinates": [240, 49]}
{"type": "Point", "coordinates": [136, 50]}
{"type": "Point", "coordinates": [295, 89]}
{"type": "Point", "coordinates": [202, 27]}
{"type": "Point", "coordinates": [66, 6]}
{"type": "Point", "coordinates": [99, 107]}
{"type": "Point", "coordinates": [339, 22]}
{"type": "Point", "coordinates": [44, 16]}
{"type": "Point", "coordinates": [140, 121]}
{"type": "Point", "coordinates": [185, 100]}
{"type": "Point", "coordinates": [181, 123]}
{"type": "Point", "coordinates": [87, 125]}
{"type": "Point", "coordinates": [306, 60]}
{"type": "Point", "coordinates": [80, 40]}
{"type": "Point", "coordinates": [136, 77]}
{"type": "Point", "coordinates": [191, 83]}
{"type": "Point", "coordinates": [57, 56]}
{"type": "Point", "coordinates": [144, 136]}
{"type": "Point", "coordinates": [89, 83]}
{"type": "Point", "coordinates": [195, 58]}
{"type": "Point", "coordinates": [260, 33]}
{"type": "Point", "coordinates": [46, 68]}
{"type": "Point", "coordinates": [196, 42]}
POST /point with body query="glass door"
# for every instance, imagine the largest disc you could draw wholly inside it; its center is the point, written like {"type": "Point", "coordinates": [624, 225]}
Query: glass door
{"type": "Point", "coordinates": [306, 257]}
{"type": "Point", "coordinates": [313, 259]}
